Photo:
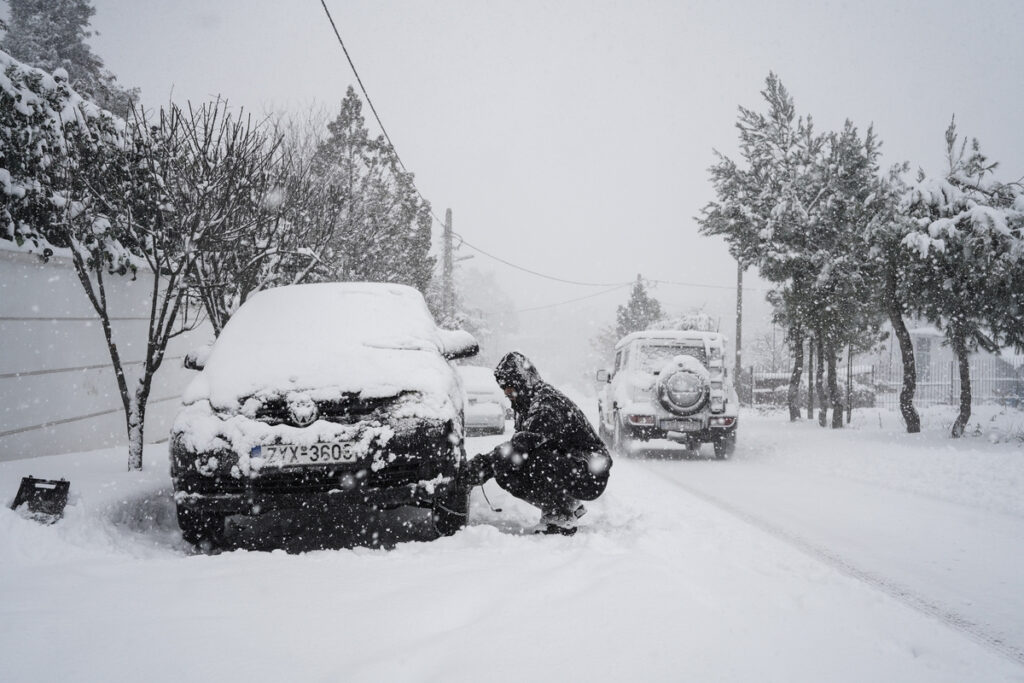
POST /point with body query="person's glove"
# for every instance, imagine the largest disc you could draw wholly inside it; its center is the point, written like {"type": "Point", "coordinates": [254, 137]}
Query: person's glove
{"type": "Point", "coordinates": [523, 443]}
{"type": "Point", "coordinates": [478, 470]}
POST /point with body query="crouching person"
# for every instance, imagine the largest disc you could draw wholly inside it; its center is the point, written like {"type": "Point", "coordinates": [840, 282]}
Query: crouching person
{"type": "Point", "coordinates": [554, 460]}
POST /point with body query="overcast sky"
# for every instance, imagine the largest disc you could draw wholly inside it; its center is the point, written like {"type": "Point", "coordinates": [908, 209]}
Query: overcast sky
{"type": "Point", "coordinates": [573, 138]}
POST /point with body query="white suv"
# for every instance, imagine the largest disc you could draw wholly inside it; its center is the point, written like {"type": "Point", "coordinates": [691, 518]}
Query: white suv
{"type": "Point", "coordinates": [669, 384]}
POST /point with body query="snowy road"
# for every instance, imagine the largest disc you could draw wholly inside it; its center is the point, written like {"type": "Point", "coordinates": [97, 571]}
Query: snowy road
{"type": "Point", "coordinates": [955, 562]}
{"type": "Point", "coordinates": [813, 555]}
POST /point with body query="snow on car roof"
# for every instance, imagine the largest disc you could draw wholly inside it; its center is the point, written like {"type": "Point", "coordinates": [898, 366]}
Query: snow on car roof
{"type": "Point", "coordinates": [480, 379]}
{"type": "Point", "coordinates": [375, 339]}
{"type": "Point", "coordinates": [672, 335]}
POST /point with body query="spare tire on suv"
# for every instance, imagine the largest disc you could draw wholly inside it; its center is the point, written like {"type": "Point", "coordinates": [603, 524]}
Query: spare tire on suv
{"type": "Point", "coordinates": [683, 386]}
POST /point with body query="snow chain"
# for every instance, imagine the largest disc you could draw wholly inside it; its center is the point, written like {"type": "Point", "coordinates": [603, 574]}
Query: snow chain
{"type": "Point", "coordinates": [451, 512]}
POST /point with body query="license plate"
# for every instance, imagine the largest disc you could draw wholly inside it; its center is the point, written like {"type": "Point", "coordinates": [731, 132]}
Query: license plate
{"type": "Point", "coordinates": [681, 425]}
{"type": "Point", "coordinates": [288, 455]}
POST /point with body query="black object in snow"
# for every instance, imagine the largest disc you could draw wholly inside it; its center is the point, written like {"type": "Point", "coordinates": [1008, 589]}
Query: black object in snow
{"type": "Point", "coordinates": [46, 498]}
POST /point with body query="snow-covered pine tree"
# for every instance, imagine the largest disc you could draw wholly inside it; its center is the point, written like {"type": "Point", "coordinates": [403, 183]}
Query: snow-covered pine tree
{"type": "Point", "coordinates": [844, 313]}
{"type": "Point", "coordinates": [639, 312]}
{"type": "Point", "coordinates": [767, 207]}
{"type": "Point", "coordinates": [887, 264]}
{"type": "Point", "coordinates": [796, 208]}
{"type": "Point", "coordinates": [52, 35]}
{"type": "Point", "coordinates": [968, 255]}
{"type": "Point", "coordinates": [382, 230]}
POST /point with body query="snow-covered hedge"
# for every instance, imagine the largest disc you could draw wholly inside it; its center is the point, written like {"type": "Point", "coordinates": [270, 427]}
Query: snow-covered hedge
{"type": "Point", "coordinates": [41, 119]}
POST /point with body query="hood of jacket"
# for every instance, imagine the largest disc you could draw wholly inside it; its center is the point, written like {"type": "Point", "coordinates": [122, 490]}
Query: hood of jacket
{"type": "Point", "coordinates": [515, 371]}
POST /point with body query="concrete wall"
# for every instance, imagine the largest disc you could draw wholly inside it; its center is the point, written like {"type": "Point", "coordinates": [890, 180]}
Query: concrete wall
{"type": "Point", "coordinates": [57, 388]}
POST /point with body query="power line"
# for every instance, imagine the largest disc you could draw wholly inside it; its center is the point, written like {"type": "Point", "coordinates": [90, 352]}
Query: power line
{"type": "Point", "coordinates": [623, 286]}
{"type": "Point", "coordinates": [697, 284]}
{"type": "Point", "coordinates": [594, 284]}
{"type": "Point", "coordinates": [367, 95]}
{"type": "Point", "coordinates": [376, 116]}
{"type": "Point", "coordinates": [534, 272]}
{"type": "Point", "coordinates": [572, 301]}
{"type": "Point", "coordinates": [387, 137]}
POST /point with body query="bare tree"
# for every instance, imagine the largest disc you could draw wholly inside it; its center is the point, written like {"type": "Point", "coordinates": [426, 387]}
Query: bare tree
{"type": "Point", "coordinates": [275, 231]}
{"type": "Point", "coordinates": [125, 208]}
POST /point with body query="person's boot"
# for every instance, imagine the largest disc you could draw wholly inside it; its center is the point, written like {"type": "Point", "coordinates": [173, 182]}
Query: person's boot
{"type": "Point", "coordinates": [561, 522]}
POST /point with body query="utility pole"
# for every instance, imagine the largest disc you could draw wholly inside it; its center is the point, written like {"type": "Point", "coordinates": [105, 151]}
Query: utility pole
{"type": "Point", "coordinates": [447, 286]}
{"type": "Point", "coordinates": [739, 324]}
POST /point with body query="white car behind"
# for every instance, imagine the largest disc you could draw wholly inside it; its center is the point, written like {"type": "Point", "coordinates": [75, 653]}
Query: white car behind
{"type": "Point", "coordinates": [486, 405]}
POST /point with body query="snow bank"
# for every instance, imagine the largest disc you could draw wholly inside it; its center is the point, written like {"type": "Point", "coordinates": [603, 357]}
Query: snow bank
{"type": "Point", "coordinates": [657, 586]}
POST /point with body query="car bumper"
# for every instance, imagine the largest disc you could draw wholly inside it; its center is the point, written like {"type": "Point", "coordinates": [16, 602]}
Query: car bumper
{"type": "Point", "coordinates": [489, 425]}
{"type": "Point", "coordinates": [412, 471]}
{"type": "Point", "coordinates": [251, 500]}
{"type": "Point", "coordinates": [486, 416]}
{"type": "Point", "coordinates": [706, 433]}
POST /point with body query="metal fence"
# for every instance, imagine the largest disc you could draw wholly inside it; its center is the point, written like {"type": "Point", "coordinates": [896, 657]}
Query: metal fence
{"type": "Point", "coordinates": [993, 380]}
{"type": "Point", "coordinates": [878, 381]}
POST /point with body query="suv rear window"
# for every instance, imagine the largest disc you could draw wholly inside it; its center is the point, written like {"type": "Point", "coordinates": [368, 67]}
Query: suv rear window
{"type": "Point", "coordinates": [651, 357]}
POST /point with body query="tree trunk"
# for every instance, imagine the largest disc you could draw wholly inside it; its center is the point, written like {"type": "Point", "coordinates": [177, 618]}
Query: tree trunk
{"type": "Point", "coordinates": [819, 384]}
{"type": "Point", "coordinates": [960, 348]}
{"type": "Point", "coordinates": [834, 393]}
{"type": "Point", "coordinates": [899, 327]}
{"type": "Point", "coordinates": [793, 396]}
{"type": "Point", "coordinates": [136, 426]}
{"type": "Point", "coordinates": [810, 378]}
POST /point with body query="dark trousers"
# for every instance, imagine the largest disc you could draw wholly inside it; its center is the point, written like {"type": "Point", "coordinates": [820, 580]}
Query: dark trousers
{"type": "Point", "coordinates": [551, 481]}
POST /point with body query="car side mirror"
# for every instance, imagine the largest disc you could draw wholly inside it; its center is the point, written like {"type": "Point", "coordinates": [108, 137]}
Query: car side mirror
{"type": "Point", "coordinates": [196, 358]}
{"type": "Point", "coordinates": [458, 344]}
{"type": "Point", "coordinates": [603, 376]}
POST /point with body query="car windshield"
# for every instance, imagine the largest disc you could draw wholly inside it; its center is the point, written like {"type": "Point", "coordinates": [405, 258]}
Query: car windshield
{"type": "Point", "coordinates": [651, 357]}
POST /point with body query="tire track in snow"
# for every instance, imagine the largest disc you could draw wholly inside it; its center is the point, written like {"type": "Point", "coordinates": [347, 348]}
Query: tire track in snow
{"type": "Point", "coordinates": [899, 592]}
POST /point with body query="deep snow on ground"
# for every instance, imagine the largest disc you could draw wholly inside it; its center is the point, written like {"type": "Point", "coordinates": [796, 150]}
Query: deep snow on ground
{"type": "Point", "coordinates": [686, 569]}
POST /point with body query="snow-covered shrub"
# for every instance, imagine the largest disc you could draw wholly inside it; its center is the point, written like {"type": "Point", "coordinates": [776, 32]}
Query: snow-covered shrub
{"type": "Point", "coordinates": [42, 121]}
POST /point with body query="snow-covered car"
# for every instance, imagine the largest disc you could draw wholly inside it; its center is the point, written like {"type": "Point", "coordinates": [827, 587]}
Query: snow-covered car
{"type": "Point", "coordinates": [320, 395]}
{"type": "Point", "coordinates": [487, 407]}
{"type": "Point", "coordinates": [669, 384]}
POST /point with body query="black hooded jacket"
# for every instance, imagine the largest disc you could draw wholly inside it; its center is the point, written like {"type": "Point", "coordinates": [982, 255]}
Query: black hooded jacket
{"type": "Point", "coordinates": [546, 419]}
